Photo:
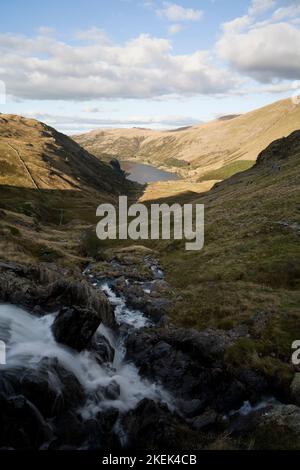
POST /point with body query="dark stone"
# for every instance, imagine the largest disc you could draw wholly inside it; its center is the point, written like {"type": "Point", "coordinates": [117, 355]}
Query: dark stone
{"type": "Point", "coordinates": [21, 424]}
{"type": "Point", "coordinates": [207, 420]}
{"type": "Point", "coordinates": [191, 365]}
{"type": "Point", "coordinates": [52, 388]}
{"type": "Point", "coordinates": [112, 391]}
{"type": "Point", "coordinates": [75, 327]}
{"type": "Point", "coordinates": [151, 426]}
{"type": "Point", "coordinates": [102, 349]}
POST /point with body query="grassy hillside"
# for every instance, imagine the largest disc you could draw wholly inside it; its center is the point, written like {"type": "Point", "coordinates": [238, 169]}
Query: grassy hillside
{"type": "Point", "coordinates": [248, 272]}
{"type": "Point", "coordinates": [196, 150]}
{"type": "Point", "coordinates": [49, 191]}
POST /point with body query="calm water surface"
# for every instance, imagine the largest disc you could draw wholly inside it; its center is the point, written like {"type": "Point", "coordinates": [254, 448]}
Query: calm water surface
{"type": "Point", "coordinates": [143, 174]}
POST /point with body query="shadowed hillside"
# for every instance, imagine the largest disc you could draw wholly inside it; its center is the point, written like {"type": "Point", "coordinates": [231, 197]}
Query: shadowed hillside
{"type": "Point", "coordinates": [49, 191]}
{"type": "Point", "coordinates": [34, 155]}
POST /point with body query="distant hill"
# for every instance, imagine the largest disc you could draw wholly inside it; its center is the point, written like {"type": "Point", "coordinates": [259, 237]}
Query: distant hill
{"type": "Point", "coordinates": [200, 149]}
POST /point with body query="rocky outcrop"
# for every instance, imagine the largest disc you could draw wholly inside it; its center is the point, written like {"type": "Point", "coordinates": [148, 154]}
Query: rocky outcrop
{"type": "Point", "coordinates": [280, 150]}
{"type": "Point", "coordinates": [192, 366]}
{"type": "Point", "coordinates": [102, 349]}
{"type": "Point", "coordinates": [75, 327]}
{"type": "Point", "coordinates": [152, 426]}
{"type": "Point", "coordinates": [295, 389]}
{"type": "Point", "coordinates": [41, 288]}
{"type": "Point", "coordinates": [22, 426]}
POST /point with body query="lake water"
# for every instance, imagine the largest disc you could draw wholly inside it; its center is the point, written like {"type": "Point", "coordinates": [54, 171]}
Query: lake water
{"type": "Point", "coordinates": [143, 174]}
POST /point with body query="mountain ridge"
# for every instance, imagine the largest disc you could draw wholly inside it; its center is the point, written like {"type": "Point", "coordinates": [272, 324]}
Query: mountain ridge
{"type": "Point", "coordinates": [195, 151]}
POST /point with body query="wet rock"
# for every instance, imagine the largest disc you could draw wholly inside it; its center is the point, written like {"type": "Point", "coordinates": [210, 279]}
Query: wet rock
{"type": "Point", "coordinates": [21, 424]}
{"type": "Point", "coordinates": [75, 327]}
{"type": "Point", "coordinates": [102, 349]}
{"type": "Point", "coordinates": [69, 430]}
{"type": "Point", "coordinates": [189, 408]}
{"type": "Point", "coordinates": [112, 391]}
{"type": "Point", "coordinates": [190, 365]}
{"type": "Point", "coordinates": [204, 421]}
{"type": "Point", "coordinates": [152, 426]}
{"type": "Point", "coordinates": [51, 388]}
{"type": "Point", "coordinates": [295, 389]}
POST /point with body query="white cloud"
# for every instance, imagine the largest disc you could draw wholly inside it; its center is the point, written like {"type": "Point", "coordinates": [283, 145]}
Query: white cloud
{"type": "Point", "coordinates": [78, 123]}
{"type": "Point", "coordinates": [258, 7]}
{"type": "Point", "coordinates": [268, 50]}
{"type": "Point", "coordinates": [91, 109]}
{"type": "Point", "coordinates": [176, 13]}
{"type": "Point", "coordinates": [145, 67]}
{"type": "Point", "coordinates": [175, 28]}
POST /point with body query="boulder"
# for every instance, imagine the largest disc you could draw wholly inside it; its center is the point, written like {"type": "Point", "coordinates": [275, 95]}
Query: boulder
{"type": "Point", "coordinates": [51, 388]}
{"type": "Point", "coordinates": [295, 389]}
{"type": "Point", "coordinates": [75, 327]}
{"type": "Point", "coordinates": [152, 426]}
{"type": "Point", "coordinates": [190, 365]}
{"type": "Point", "coordinates": [102, 349]}
{"type": "Point", "coordinates": [205, 420]}
{"type": "Point", "coordinates": [22, 427]}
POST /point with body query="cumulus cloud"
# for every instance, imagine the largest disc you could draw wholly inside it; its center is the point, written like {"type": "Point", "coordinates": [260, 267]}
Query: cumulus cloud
{"type": "Point", "coordinates": [43, 67]}
{"type": "Point", "coordinates": [267, 50]}
{"type": "Point", "coordinates": [176, 13]}
{"type": "Point", "coordinates": [258, 7]}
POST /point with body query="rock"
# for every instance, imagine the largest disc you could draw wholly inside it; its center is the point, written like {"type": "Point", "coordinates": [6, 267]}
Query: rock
{"type": "Point", "coordinates": [279, 428]}
{"type": "Point", "coordinates": [69, 430]}
{"type": "Point", "coordinates": [189, 408]}
{"type": "Point", "coordinates": [51, 388]}
{"type": "Point", "coordinates": [260, 322]}
{"type": "Point", "coordinates": [151, 426]}
{"type": "Point", "coordinates": [204, 421]}
{"type": "Point", "coordinates": [191, 365]}
{"type": "Point", "coordinates": [102, 349]}
{"type": "Point", "coordinates": [21, 424]}
{"type": "Point", "coordinates": [112, 391]}
{"type": "Point", "coordinates": [75, 327]}
{"type": "Point", "coordinates": [50, 289]}
{"type": "Point", "coordinates": [295, 389]}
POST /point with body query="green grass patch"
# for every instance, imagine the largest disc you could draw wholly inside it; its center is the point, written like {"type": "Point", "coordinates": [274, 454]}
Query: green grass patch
{"type": "Point", "coordinates": [227, 170]}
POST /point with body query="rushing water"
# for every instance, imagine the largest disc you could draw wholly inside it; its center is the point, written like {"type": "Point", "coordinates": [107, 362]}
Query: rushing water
{"type": "Point", "coordinates": [29, 339]}
{"type": "Point", "coordinates": [144, 174]}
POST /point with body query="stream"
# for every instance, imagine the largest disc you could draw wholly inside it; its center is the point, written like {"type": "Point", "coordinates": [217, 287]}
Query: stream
{"type": "Point", "coordinates": [146, 377]}
{"type": "Point", "coordinates": [112, 385]}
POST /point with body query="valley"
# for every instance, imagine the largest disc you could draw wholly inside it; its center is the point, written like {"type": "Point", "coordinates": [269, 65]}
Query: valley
{"type": "Point", "coordinates": [136, 345]}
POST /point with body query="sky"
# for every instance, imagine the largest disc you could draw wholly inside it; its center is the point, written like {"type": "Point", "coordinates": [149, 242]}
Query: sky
{"type": "Point", "coordinates": [85, 64]}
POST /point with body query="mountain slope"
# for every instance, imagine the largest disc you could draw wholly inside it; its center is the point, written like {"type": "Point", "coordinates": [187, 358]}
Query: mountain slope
{"type": "Point", "coordinates": [49, 191]}
{"type": "Point", "coordinates": [33, 155]}
{"type": "Point", "coordinates": [247, 275]}
{"type": "Point", "coordinates": [198, 150]}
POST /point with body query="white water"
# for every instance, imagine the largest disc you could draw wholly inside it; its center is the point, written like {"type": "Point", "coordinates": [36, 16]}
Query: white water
{"type": "Point", "coordinates": [248, 408]}
{"type": "Point", "coordinates": [123, 314]}
{"type": "Point", "coordinates": [29, 339]}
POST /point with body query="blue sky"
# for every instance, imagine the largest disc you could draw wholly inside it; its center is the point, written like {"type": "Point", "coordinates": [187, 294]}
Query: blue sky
{"type": "Point", "coordinates": [79, 65]}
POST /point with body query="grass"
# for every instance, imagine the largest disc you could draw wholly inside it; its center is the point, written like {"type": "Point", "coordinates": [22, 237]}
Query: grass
{"type": "Point", "coordinates": [227, 170]}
